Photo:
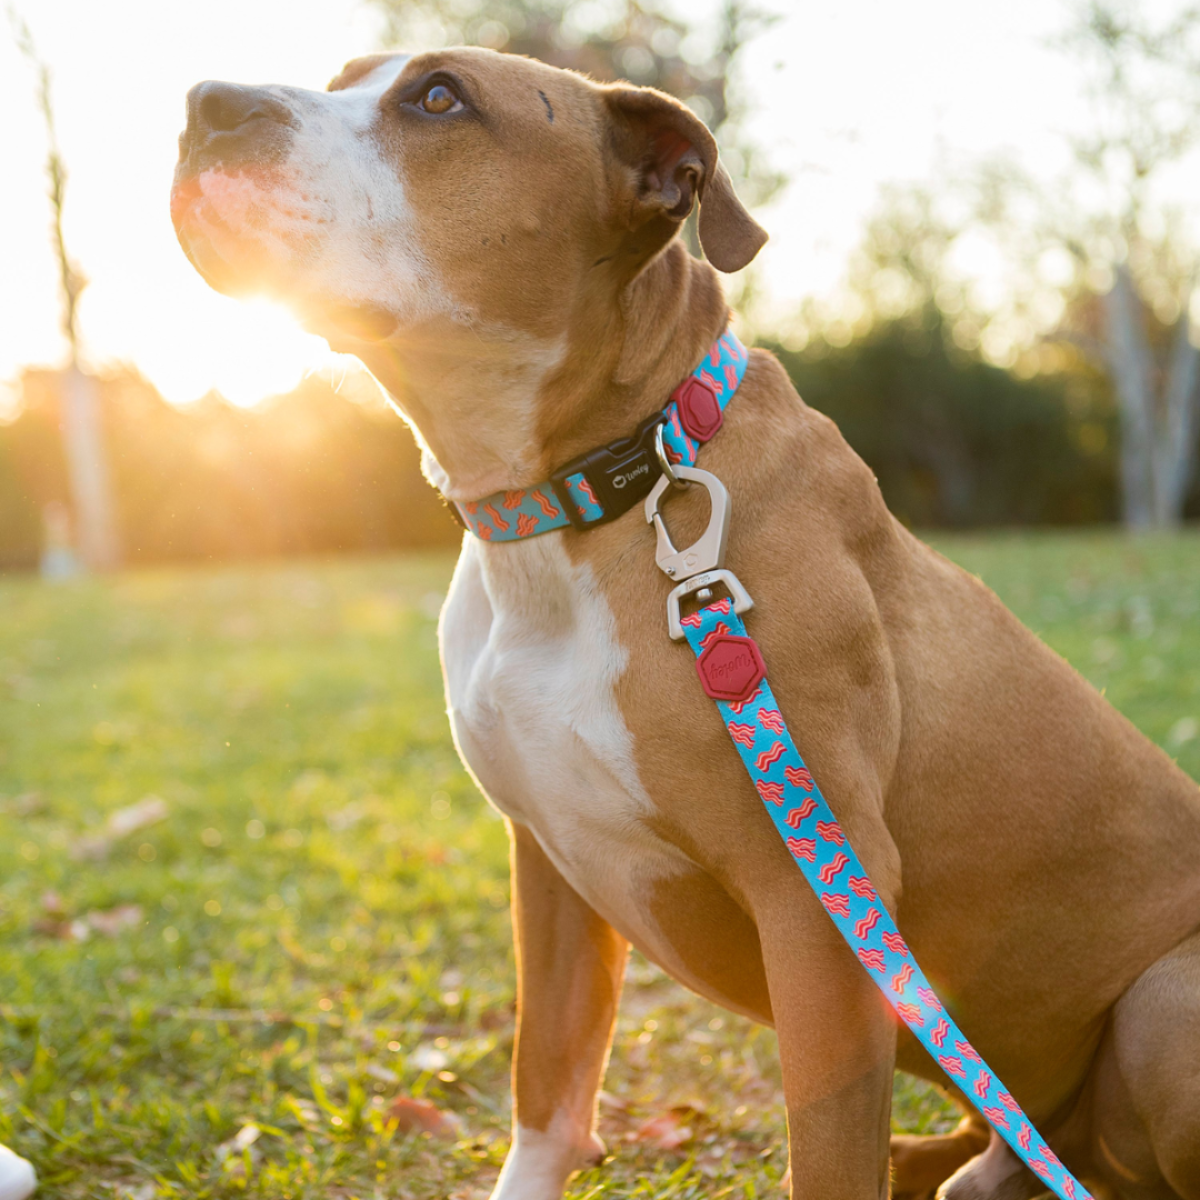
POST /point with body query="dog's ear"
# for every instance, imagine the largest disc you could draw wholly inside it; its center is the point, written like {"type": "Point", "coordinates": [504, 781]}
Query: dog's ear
{"type": "Point", "coordinates": [673, 160]}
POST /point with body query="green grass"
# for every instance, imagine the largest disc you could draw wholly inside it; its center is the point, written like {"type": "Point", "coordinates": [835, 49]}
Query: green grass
{"type": "Point", "coordinates": [321, 919]}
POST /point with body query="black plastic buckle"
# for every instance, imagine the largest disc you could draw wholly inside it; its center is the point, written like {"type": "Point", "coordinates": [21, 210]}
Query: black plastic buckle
{"type": "Point", "coordinates": [620, 474]}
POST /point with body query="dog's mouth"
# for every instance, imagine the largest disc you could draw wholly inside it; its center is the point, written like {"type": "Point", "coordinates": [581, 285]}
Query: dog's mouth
{"type": "Point", "coordinates": [223, 223]}
{"type": "Point", "coordinates": [219, 222]}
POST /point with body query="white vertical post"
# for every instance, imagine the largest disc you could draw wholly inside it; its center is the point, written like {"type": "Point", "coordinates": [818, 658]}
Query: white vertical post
{"type": "Point", "coordinates": [91, 492]}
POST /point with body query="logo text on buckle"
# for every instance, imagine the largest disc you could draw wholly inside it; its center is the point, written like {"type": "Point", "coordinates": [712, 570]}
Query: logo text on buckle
{"type": "Point", "coordinates": [628, 477]}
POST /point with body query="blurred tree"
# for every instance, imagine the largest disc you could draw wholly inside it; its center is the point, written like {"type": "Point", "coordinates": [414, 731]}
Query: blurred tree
{"type": "Point", "coordinates": [897, 359]}
{"type": "Point", "coordinates": [91, 492]}
{"type": "Point", "coordinates": [1145, 87]}
{"type": "Point", "coordinates": [1099, 263]}
{"type": "Point", "coordinates": [615, 39]}
{"type": "Point", "coordinates": [956, 442]}
{"type": "Point", "coordinates": [1126, 242]}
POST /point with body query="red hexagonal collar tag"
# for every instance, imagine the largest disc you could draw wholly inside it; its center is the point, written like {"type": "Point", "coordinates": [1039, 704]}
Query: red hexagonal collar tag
{"type": "Point", "coordinates": [730, 668]}
{"type": "Point", "coordinates": [699, 410]}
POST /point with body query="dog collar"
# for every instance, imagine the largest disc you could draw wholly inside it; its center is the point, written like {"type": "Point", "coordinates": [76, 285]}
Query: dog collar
{"type": "Point", "coordinates": [605, 482]}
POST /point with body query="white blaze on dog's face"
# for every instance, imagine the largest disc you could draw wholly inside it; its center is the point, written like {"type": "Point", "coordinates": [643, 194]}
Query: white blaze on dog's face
{"type": "Point", "coordinates": [448, 201]}
{"type": "Point", "coordinates": [288, 192]}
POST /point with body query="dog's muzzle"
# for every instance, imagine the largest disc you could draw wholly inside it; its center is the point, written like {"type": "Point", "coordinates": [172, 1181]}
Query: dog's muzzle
{"type": "Point", "coordinates": [230, 126]}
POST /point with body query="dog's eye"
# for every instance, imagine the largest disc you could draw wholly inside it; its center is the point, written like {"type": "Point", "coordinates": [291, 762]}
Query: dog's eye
{"type": "Point", "coordinates": [440, 99]}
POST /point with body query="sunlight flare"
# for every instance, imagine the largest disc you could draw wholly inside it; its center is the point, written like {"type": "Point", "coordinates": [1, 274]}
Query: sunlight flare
{"type": "Point", "coordinates": [263, 352]}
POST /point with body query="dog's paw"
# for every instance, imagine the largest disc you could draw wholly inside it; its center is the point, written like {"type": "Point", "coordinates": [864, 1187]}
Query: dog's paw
{"type": "Point", "coordinates": [920, 1163]}
{"type": "Point", "coordinates": [540, 1162]}
{"type": "Point", "coordinates": [17, 1178]}
{"type": "Point", "coordinates": [595, 1152]}
{"type": "Point", "coordinates": [997, 1174]}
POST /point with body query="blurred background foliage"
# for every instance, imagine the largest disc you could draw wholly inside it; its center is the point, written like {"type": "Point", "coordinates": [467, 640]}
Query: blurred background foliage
{"type": "Point", "coordinates": [1071, 400]}
{"type": "Point", "coordinates": [321, 469]}
{"type": "Point", "coordinates": [955, 442]}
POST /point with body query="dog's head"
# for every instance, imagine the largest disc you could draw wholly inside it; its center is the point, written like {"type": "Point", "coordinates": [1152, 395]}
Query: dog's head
{"type": "Point", "coordinates": [462, 182]}
{"type": "Point", "coordinates": [466, 222]}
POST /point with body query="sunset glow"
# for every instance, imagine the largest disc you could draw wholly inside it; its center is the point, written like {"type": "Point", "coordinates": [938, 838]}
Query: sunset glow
{"type": "Point", "coordinates": [262, 352]}
{"type": "Point", "coordinates": [121, 73]}
{"type": "Point", "coordinates": [840, 115]}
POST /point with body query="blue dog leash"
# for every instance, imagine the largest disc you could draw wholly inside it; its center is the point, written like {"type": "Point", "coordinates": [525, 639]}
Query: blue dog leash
{"type": "Point", "coordinates": [607, 482]}
{"type": "Point", "coordinates": [730, 665]}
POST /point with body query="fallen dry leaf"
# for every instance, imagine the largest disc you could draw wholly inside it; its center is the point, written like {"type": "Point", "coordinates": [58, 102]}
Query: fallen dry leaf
{"type": "Point", "coordinates": [346, 818]}
{"type": "Point", "coordinates": [608, 1100]}
{"type": "Point", "coordinates": [63, 929]}
{"type": "Point", "coordinates": [147, 811]}
{"type": "Point", "coordinates": [305, 1110]}
{"type": "Point", "coordinates": [419, 1116]}
{"type": "Point", "coordinates": [134, 1191]}
{"type": "Point", "coordinates": [57, 923]}
{"type": "Point", "coordinates": [382, 1073]}
{"type": "Point", "coordinates": [239, 1143]}
{"type": "Point", "coordinates": [109, 922]}
{"type": "Point", "coordinates": [429, 1058]}
{"type": "Point", "coordinates": [27, 804]}
{"type": "Point", "coordinates": [669, 1130]}
{"type": "Point", "coordinates": [93, 847]}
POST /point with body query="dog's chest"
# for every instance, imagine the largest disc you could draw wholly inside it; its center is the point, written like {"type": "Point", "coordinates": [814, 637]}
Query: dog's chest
{"type": "Point", "coordinates": [532, 662]}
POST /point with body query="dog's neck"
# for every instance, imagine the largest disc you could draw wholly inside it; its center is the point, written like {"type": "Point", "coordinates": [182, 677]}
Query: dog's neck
{"type": "Point", "coordinates": [497, 409]}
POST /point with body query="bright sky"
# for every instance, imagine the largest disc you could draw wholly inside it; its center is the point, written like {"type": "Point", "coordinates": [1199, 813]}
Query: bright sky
{"type": "Point", "coordinates": [847, 96]}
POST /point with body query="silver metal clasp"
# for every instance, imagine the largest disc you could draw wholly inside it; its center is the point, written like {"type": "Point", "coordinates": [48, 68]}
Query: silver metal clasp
{"type": "Point", "coordinates": [699, 567]}
{"type": "Point", "coordinates": [709, 552]}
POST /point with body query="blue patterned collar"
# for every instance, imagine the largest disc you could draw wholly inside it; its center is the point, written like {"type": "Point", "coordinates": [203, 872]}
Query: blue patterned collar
{"type": "Point", "coordinates": [608, 481]}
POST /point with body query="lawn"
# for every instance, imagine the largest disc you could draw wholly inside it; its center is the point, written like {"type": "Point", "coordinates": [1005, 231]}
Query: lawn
{"type": "Point", "coordinates": [250, 899]}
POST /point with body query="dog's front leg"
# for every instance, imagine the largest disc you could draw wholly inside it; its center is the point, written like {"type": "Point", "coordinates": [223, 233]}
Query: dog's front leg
{"type": "Point", "coordinates": [837, 1043]}
{"type": "Point", "coordinates": [570, 966]}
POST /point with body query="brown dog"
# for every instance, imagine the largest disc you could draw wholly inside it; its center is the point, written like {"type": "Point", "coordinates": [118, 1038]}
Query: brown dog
{"type": "Point", "coordinates": [495, 239]}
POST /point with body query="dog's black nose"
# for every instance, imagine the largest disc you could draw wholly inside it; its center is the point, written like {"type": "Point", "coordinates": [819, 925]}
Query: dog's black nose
{"type": "Point", "coordinates": [223, 107]}
{"type": "Point", "coordinates": [229, 124]}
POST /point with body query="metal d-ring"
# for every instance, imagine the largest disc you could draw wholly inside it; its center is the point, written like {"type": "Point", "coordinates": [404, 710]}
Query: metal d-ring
{"type": "Point", "coordinates": [664, 462]}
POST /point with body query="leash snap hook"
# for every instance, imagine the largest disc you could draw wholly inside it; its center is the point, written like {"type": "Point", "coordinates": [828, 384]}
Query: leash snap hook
{"type": "Point", "coordinates": [700, 566]}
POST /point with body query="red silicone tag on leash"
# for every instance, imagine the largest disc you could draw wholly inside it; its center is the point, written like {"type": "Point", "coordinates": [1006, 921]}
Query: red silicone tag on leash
{"type": "Point", "coordinates": [730, 668]}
